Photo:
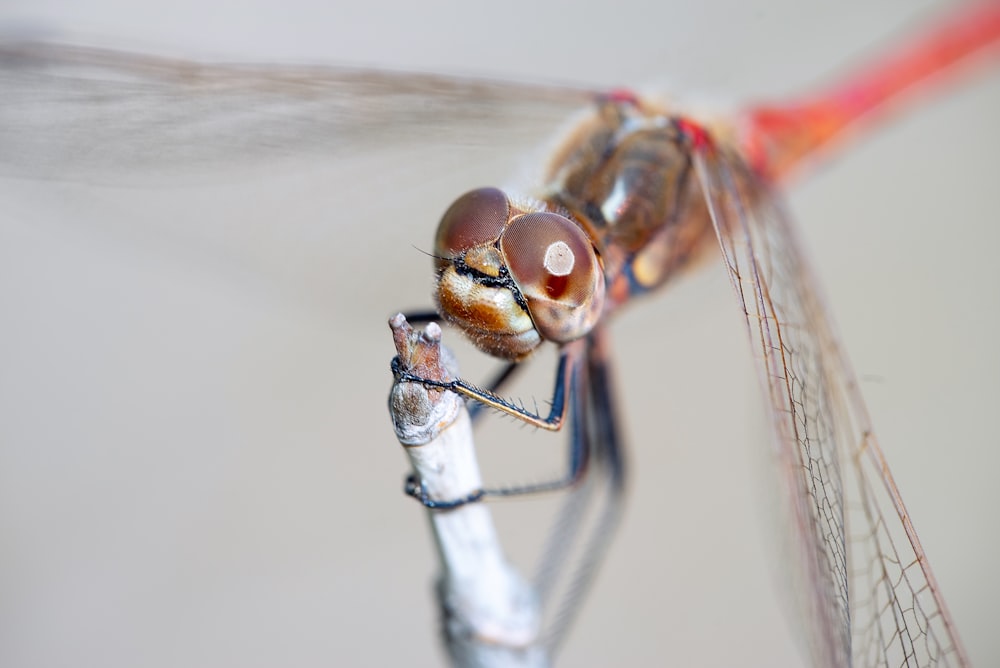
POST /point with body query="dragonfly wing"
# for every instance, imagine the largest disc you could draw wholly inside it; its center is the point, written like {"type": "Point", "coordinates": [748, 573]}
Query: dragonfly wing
{"type": "Point", "coordinates": [869, 595]}
{"type": "Point", "coordinates": [92, 115]}
{"type": "Point", "coordinates": [256, 172]}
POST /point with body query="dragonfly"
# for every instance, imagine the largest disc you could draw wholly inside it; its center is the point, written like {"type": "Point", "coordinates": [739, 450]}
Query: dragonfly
{"type": "Point", "coordinates": [106, 115]}
{"type": "Point", "coordinates": [638, 194]}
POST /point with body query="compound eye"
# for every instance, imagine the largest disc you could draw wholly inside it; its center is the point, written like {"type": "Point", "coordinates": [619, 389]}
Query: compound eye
{"type": "Point", "coordinates": [557, 270]}
{"type": "Point", "coordinates": [475, 218]}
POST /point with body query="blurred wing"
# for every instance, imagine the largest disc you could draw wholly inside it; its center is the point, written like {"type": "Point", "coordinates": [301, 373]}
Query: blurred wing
{"type": "Point", "coordinates": [868, 593]}
{"type": "Point", "coordinates": [282, 178]}
{"type": "Point", "coordinates": [91, 115]}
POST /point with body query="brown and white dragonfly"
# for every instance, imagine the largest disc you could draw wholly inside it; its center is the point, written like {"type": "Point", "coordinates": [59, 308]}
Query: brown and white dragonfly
{"type": "Point", "coordinates": [635, 196]}
{"type": "Point", "coordinates": [716, 189]}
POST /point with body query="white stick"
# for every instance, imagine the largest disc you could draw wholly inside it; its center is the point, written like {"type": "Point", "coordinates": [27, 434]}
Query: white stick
{"type": "Point", "coordinates": [490, 613]}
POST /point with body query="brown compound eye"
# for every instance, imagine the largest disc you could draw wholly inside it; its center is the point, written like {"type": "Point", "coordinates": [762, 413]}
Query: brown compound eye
{"type": "Point", "coordinates": [475, 218]}
{"type": "Point", "coordinates": [557, 270]}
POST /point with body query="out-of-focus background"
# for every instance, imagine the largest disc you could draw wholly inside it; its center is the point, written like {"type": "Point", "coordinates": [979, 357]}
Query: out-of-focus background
{"type": "Point", "coordinates": [196, 462]}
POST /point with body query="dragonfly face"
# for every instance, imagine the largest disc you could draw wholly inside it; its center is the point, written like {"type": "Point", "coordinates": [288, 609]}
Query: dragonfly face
{"type": "Point", "coordinates": [512, 277]}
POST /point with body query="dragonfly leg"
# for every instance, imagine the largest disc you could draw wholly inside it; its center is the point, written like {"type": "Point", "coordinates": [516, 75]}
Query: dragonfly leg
{"type": "Point", "coordinates": [495, 384]}
{"type": "Point", "coordinates": [579, 458]}
{"type": "Point", "coordinates": [415, 487]}
{"type": "Point", "coordinates": [594, 429]}
{"type": "Point", "coordinates": [552, 422]}
{"type": "Point", "coordinates": [564, 373]}
{"type": "Point", "coordinates": [599, 456]}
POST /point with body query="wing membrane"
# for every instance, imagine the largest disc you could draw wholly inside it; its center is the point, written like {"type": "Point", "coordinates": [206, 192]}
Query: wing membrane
{"type": "Point", "coordinates": [252, 170]}
{"type": "Point", "coordinates": [87, 114]}
{"type": "Point", "coordinates": [864, 583]}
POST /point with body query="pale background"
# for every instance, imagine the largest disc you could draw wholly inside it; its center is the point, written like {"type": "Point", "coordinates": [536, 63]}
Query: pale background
{"type": "Point", "coordinates": [193, 471]}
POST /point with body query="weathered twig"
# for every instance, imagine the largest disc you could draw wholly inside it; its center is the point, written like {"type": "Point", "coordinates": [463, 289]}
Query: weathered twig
{"type": "Point", "coordinates": [490, 613]}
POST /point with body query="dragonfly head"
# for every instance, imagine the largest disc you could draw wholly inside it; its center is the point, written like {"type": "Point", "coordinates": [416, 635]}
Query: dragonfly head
{"type": "Point", "coordinates": [512, 276]}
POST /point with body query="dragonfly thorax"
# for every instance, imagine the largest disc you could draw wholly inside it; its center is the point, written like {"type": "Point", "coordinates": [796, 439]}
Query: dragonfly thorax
{"type": "Point", "coordinates": [626, 172]}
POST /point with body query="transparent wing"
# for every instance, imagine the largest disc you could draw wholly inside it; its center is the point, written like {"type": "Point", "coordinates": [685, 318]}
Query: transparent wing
{"type": "Point", "coordinates": [257, 173]}
{"type": "Point", "coordinates": [862, 578]}
{"type": "Point", "coordinates": [92, 115]}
